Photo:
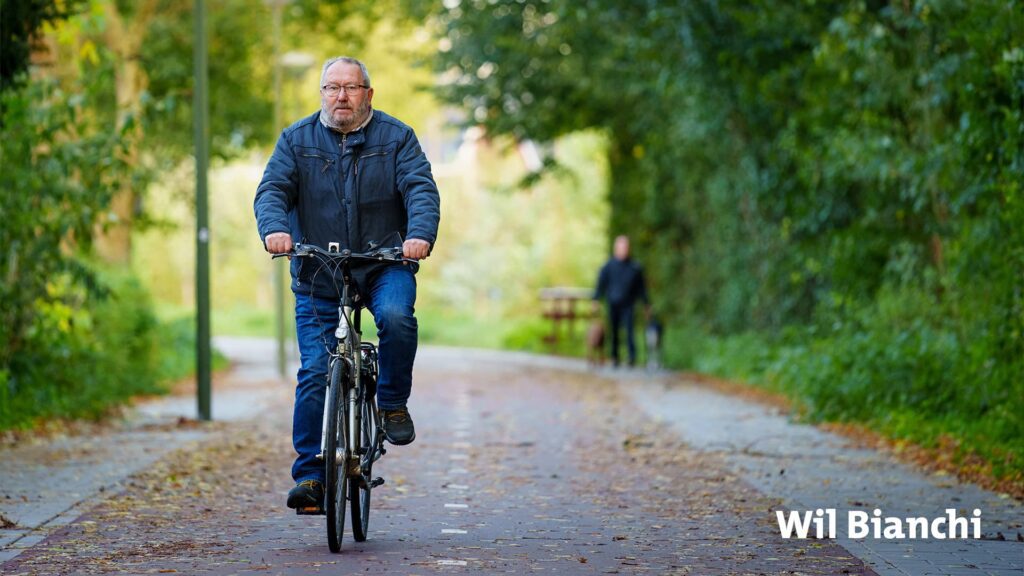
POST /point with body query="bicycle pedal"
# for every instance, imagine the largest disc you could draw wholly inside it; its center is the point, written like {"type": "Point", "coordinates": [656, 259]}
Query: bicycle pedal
{"type": "Point", "coordinates": [376, 482]}
{"type": "Point", "coordinates": [311, 511]}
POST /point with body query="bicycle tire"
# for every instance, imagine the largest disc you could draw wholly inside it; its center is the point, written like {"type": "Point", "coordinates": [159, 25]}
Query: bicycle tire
{"type": "Point", "coordinates": [359, 487]}
{"type": "Point", "coordinates": [336, 492]}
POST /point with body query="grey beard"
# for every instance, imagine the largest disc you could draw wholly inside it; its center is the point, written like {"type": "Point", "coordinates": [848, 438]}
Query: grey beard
{"type": "Point", "coordinates": [328, 121]}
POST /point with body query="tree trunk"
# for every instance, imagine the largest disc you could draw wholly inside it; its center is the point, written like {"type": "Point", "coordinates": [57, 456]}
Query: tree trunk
{"type": "Point", "coordinates": [124, 35]}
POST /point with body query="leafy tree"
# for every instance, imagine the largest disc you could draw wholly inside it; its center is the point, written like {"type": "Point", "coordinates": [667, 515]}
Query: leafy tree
{"type": "Point", "coordinates": [104, 112]}
{"type": "Point", "coordinates": [60, 171]}
{"type": "Point", "coordinates": [842, 178]}
{"type": "Point", "coordinates": [21, 23]}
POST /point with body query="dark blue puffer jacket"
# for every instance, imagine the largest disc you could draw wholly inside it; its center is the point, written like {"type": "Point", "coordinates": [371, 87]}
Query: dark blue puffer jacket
{"type": "Point", "coordinates": [363, 187]}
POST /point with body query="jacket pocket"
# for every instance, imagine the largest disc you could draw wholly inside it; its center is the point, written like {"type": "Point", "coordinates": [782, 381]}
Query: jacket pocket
{"type": "Point", "coordinates": [319, 185]}
{"type": "Point", "coordinates": [375, 171]}
{"type": "Point", "coordinates": [313, 163]}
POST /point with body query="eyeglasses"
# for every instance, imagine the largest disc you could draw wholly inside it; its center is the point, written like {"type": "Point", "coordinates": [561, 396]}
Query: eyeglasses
{"type": "Point", "coordinates": [333, 90]}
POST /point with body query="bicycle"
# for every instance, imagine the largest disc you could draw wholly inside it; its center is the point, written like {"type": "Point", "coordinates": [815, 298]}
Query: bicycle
{"type": "Point", "coordinates": [352, 437]}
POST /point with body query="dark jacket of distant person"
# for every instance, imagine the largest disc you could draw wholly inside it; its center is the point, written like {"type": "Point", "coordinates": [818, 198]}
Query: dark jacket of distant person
{"type": "Point", "coordinates": [621, 283]}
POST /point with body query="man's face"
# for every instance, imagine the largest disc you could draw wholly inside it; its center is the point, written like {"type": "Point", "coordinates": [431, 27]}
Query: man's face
{"type": "Point", "coordinates": [346, 111]}
{"type": "Point", "coordinates": [621, 250]}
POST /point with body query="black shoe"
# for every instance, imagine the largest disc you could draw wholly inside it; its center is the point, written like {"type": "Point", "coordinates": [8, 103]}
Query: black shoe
{"type": "Point", "coordinates": [398, 427]}
{"type": "Point", "coordinates": [306, 494]}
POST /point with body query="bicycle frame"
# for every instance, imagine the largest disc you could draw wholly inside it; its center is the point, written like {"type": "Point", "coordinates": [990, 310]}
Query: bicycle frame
{"type": "Point", "coordinates": [349, 350]}
{"type": "Point", "coordinates": [349, 467]}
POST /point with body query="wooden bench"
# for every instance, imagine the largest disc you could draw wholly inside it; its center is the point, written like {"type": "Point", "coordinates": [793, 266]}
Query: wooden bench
{"type": "Point", "coordinates": [560, 305]}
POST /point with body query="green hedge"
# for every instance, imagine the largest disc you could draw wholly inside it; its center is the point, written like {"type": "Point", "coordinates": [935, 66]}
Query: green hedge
{"type": "Point", "coordinates": [905, 371]}
{"type": "Point", "coordinates": [82, 353]}
{"type": "Point", "coordinates": [88, 353]}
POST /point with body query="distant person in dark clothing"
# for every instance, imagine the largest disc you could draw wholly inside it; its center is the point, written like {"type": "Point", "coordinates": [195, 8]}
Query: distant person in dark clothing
{"type": "Point", "coordinates": [621, 284]}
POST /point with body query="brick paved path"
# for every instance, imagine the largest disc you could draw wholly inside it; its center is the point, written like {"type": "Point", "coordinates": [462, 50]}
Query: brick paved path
{"type": "Point", "coordinates": [521, 465]}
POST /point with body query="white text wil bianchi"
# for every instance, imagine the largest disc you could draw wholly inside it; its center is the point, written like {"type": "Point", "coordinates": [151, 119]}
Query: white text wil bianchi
{"type": "Point", "coordinates": [822, 523]}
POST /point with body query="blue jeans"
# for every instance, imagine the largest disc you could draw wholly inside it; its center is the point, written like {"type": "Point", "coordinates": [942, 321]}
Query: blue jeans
{"type": "Point", "coordinates": [390, 297]}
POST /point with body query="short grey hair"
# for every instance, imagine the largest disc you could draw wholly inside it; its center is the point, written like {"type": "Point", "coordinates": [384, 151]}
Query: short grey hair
{"type": "Point", "coordinates": [347, 60]}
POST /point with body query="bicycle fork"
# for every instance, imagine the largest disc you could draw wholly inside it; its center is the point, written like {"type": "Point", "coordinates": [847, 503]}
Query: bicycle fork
{"type": "Point", "coordinates": [351, 424]}
{"type": "Point", "coordinates": [342, 334]}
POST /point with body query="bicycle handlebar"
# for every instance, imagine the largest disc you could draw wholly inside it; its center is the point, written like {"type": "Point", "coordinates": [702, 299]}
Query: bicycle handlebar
{"type": "Point", "coordinates": [379, 254]}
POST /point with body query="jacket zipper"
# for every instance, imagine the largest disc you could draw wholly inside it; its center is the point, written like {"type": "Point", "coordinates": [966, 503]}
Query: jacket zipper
{"type": "Point", "coordinates": [356, 163]}
{"type": "Point", "coordinates": [327, 161]}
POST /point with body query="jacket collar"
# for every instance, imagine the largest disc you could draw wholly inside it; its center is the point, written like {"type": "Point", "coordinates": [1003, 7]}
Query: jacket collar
{"type": "Point", "coordinates": [353, 138]}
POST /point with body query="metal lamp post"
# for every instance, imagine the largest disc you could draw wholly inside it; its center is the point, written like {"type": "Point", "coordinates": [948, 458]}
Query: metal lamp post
{"type": "Point", "coordinates": [201, 136]}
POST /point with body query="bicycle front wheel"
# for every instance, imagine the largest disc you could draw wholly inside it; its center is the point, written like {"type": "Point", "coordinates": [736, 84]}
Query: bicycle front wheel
{"type": "Point", "coordinates": [336, 457]}
{"type": "Point", "coordinates": [360, 486]}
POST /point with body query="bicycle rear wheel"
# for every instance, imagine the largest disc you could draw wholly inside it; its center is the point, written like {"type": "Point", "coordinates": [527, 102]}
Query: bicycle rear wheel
{"type": "Point", "coordinates": [336, 457]}
{"type": "Point", "coordinates": [361, 485]}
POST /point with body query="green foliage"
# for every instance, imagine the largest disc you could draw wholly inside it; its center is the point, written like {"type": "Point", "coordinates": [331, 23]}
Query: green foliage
{"type": "Point", "coordinates": [836, 182]}
{"type": "Point", "coordinates": [83, 351]}
{"type": "Point", "coordinates": [21, 24]}
{"type": "Point", "coordinates": [135, 61]}
{"type": "Point", "coordinates": [446, 327]}
{"type": "Point", "coordinates": [896, 367]}
{"type": "Point", "coordinates": [73, 339]}
{"type": "Point", "coordinates": [60, 172]}
{"type": "Point", "coordinates": [106, 113]}
{"type": "Point", "coordinates": [240, 78]}
{"type": "Point", "coordinates": [176, 341]}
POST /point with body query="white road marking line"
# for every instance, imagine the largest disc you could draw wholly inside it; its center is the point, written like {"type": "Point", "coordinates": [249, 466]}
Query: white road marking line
{"type": "Point", "coordinates": [452, 531]}
{"type": "Point", "coordinates": [456, 505]}
{"type": "Point", "coordinates": [451, 562]}
{"type": "Point", "coordinates": [459, 456]}
{"type": "Point", "coordinates": [458, 471]}
{"type": "Point", "coordinates": [461, 445]}
{"type": "Point", "coordinates": [462, 433]}
{"type": "Point", "coordinates": [458, 487]}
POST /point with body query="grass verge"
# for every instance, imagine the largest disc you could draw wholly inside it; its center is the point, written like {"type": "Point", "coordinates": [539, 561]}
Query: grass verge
{"type": "Point", "coordinates": [894, 390]}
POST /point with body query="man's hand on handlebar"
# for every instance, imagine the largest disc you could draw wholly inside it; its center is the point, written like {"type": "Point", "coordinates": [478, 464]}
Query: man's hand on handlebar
{"type": "Point", "coordinates": [278, 242]}
{"type": "Point", "coordinates": [415, 248]}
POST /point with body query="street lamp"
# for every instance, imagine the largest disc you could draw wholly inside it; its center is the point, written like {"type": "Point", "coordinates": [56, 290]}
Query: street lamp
{"type": "Point", "coordinates": [297, 62]}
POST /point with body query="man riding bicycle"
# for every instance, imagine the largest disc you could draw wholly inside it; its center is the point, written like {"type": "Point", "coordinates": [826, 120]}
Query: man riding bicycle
{"type": "Point", "coordinates": [355, 176]}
